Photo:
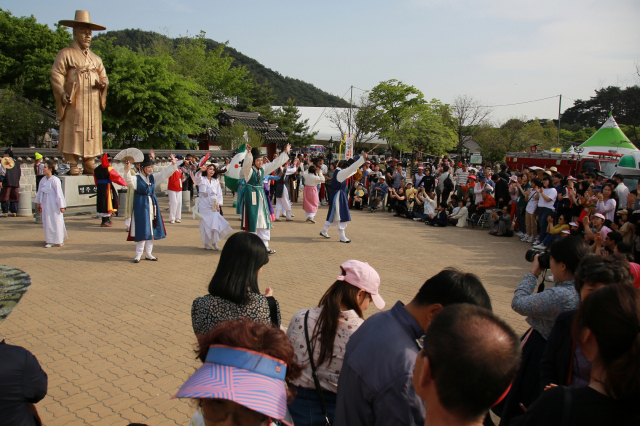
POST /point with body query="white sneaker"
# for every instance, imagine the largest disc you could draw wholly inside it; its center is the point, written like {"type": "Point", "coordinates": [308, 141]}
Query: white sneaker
{"type": "Point", "coordinates": [215, 247]}
{"type": "Point", "coordinates": [48, 246]}
{"type": "Point", "coordinates": [173, 221]}
{"type": "Point", "coordinates": [324, 234]}
{"type": "Point", "coordinates": [529, 240]}
{"type": "Point", "coordinates": [540, 247]}
{"type": "Point", "coordinates": [345, 241]}
{"type": "Point", "coordinates": [178, 221]}
{"type": "Point", "coordinates": [519, 234]}
{"type": "Point", "coordinates": [311, 220]}
{"type": "Point", "coordinates": [208, 247]}
{"type": "Point", "coordinates": [524, 237]}
{"type": "Point", "coordinates": [417, 219]}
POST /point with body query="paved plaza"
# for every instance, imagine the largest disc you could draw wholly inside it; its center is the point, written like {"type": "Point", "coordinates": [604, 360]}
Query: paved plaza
{"type": "Point", "coordinates": [115, 338]}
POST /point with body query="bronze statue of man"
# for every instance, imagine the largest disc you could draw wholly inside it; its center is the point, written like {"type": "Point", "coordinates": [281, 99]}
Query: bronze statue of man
{"type": "Point", "coordinates": [79, 83]}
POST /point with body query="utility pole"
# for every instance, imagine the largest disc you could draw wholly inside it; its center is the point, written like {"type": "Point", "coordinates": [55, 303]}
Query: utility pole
{"type": "Point", "coordinates": [350, 105]}
{"type": "Point", "coordinates": [559, 109]}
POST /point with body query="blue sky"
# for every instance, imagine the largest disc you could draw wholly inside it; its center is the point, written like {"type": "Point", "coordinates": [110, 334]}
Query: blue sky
{"type": "Point", "coordinates": [500, 51]}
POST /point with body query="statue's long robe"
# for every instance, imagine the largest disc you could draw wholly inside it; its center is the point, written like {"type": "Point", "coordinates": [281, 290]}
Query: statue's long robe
{"type": "Point", "coordinates": [80, 120]}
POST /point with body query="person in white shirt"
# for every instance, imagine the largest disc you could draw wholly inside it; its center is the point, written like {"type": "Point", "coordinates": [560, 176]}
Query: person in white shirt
{"type": "Point", "coordinates": [213, 227]}
{"type": "Point", "coordinates": [546, 197]}
{"type": "Point", "coordinates": [329, 327]}
{"type": "Point", "coordinates": [621, 191]}
{"type": "Point", "coordinates": [459, 216]}
{"type": "Point", "coordinates": [429, 202]}
{"type": "Point", "coordinates": [51, 203]}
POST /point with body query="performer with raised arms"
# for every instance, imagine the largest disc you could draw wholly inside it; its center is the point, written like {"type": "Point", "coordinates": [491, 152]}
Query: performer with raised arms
{"type": "Point", "coordinates": [255, 210]}
{"type": "Point", "coordinates": [312, 179]}
{"type": "Point", "coordinates": [146, 221]}
{"type": "Point", "coordinates": [213, 227]}
{"type": "Point", "coordinates": [338, 214]}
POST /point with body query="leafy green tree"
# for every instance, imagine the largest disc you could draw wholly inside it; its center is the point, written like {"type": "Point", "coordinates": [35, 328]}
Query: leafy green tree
{"type": "Point", "coordinates": [297, 130]}
{"type": "Point", "coordinates": [390, 101]}
{"type": "Point", "coordinates": [148, 105]}
{"type": "Point", "coordinates": [426, 128]}
{"type": "Point", "coordinates": [21, 122]}
{"type": "Point", "coordinates": [27, 51]}
{"type": "Point", "coordinates": [232, 137]}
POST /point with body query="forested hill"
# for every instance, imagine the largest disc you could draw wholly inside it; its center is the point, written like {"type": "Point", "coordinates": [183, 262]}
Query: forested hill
{"type": "Point", "coordinates": [305, 94]}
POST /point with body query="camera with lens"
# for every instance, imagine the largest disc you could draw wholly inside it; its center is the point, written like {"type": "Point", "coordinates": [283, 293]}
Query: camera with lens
{"type": "Point", "coordinates": [543, 258]}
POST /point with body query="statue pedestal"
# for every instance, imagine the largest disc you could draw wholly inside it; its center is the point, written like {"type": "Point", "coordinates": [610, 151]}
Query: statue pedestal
{"type": "Point", "coordinates": [78, 189]}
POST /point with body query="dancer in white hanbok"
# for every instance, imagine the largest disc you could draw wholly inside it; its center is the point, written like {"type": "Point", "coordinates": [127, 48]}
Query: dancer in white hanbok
{"type": "Point", "coordinates": [283, 201]}
{"type": "Point", "coordinates": [51, 203]}
{"type": "Point", "coordinates": [213, 227]}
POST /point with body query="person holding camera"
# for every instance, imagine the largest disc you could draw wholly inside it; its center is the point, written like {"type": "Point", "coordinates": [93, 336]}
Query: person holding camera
{"type": "Point", "coordinates": [542, 310]}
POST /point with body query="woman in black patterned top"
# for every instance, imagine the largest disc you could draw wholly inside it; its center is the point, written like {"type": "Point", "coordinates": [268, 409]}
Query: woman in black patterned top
{"type": "Point", "coordinates": [233, 290]}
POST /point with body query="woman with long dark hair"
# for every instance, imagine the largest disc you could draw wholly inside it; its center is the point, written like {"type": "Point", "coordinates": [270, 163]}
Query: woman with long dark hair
{"type": "Point", "coordinates": [546, 197]}
{"type": "Point", "coordinates": [329, 327]}
{"type": "Point", "coordinates": [607, 330]}
{"type": "Point", "coordinates": [233, 290]}
{"type": "Point", "coordinates": [213, 227]}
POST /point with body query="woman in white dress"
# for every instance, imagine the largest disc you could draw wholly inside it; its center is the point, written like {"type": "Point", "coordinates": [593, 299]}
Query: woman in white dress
{"type": "Point", "coordinates": [213, 227]}
{"type": "Point", "coordinates": [50, 202]}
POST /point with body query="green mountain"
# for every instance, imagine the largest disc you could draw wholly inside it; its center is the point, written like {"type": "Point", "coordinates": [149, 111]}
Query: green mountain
{"type": "Point", "coordinates": [305, 94]}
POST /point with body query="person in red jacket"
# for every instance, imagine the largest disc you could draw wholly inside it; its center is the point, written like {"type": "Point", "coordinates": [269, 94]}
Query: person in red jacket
{"type": "Point", "coordinates": [107, 197]}
{"type": "Point", "coordinates": [174, 188]}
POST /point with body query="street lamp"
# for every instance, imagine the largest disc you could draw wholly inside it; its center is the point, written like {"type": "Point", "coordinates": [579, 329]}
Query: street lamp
{"type": "Point", "coordinates": [330, 146]}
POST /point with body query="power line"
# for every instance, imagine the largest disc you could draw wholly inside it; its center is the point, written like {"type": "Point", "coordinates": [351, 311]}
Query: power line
{"type": "Point", "coordinates": [520, 103]}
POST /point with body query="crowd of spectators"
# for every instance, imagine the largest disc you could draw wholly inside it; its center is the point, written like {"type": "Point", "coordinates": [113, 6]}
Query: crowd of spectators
{"type": "Point", "coordinates": [444, 357]}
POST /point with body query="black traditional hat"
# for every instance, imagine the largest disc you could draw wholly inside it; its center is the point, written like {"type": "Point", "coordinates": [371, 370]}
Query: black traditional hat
{"type": "Point", "coordinates": [255, 153]}
{"type": "Point", "coordinates": [147, 161]}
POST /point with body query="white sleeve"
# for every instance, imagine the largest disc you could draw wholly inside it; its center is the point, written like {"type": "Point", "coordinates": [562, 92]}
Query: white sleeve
{"type": "Point", "coordinates": [132, 181]}
{"type": "Point", "coordinates": [62, 203]}
{"type": "Point", "coordinates": [38, 199]}
{"type": "Point", "coordinates": [217, 192]}
{"type": "Point", "coordinates": [290, 171]}
{"type": "Point", "coordinates": [350, 171]}
{"type": "Point", "coordinates": [197, 177]}
{"type": "Point", "coordinates": [164, 174]}
{"type": "Point", "coordinates": [247, 165]}
{"type": "Point", "coordinates": [278, 162]}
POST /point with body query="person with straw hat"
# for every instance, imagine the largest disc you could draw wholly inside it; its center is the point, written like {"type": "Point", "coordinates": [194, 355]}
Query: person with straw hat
{"type": "Point", "coordinates": [79, 83]}
{"type": "Point", "coordinates": [10, 173]}
{"type": "Point", "coordinates": [24, 383]}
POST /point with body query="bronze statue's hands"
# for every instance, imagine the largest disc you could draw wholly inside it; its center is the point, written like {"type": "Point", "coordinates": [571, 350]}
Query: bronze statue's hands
{"type": "Point", "coordinates": [66, 98]}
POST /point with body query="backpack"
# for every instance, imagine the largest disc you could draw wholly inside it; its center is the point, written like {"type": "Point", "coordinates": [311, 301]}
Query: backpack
{"type": "Point", "coordinates": [448, 183]}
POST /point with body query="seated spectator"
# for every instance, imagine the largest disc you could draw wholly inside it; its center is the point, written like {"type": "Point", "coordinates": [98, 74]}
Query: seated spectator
{"type": "Point", "coordinates": [459, 216]}
{"type": "Point", "coordinates": [411, 192]}
{"type": "Point", "coordinates": [607, 332]}
{"type": "Point", "coordinates": [468, 360]}
{"type": "Point", "coordinates": [428, 201]}
{"type": "Point", "coordinates": [553, 232]}
{"type": "Point", "coordinates": [376, 381]}
{"type": "Point", "coordinates": [607, 245]}
{"type": "Point", "coordinates": [595, 226]}
{"type": "Point", "coordinates": [242, 378]}
{"type": "Point", "coordinates": [500, 223]}
{"type": "Point", "coordinates": [328, 329]}
{"type": "Point", "coordinates": [233, 290]}
{"type": "Point", "coordinates": [399, 202]}
{"type": "Point", "coordinates": [488, 202]}
{"type": "Point", "coordinates": [563, 363]}
{"type": "Point", "coordinates": [440, 218]}
{"type": "Point", "coordinates": [359, 197]}
{"type": "Point", "coordinates": [378, 195]}
{"type": "Point", "coordinates": [23, 383]}
{"type": "Point", "coordinates": [542, 310]}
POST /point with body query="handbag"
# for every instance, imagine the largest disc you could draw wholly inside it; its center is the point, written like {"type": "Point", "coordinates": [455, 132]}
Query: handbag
{"type": "Point", "coordinates": [314, 373]}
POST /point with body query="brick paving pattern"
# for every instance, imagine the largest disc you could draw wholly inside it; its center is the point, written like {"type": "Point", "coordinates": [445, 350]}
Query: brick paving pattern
{"type": "Point", "coordinates": [115, 337]}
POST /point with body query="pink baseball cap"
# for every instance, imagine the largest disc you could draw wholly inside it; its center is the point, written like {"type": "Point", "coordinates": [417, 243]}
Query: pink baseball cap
{"type": "Point", "coordinates": [363, 276]}
{"type": "Point", "coordinates": [601, 216]}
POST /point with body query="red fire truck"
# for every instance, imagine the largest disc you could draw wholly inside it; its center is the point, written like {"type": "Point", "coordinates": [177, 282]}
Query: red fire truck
{"type": "Point", "coordinates": [566, 163]}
